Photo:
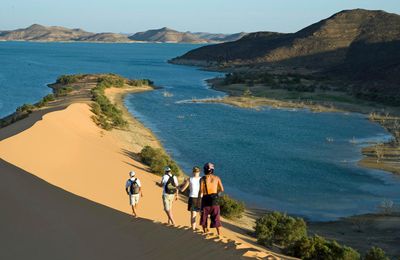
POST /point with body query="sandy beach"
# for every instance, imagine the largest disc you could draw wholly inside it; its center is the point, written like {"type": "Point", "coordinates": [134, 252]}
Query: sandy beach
{"type": "Point", "coordinates": [68, 150]}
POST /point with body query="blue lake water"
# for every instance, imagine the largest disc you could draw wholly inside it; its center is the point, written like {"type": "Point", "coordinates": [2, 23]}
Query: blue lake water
{"type": "Point", "coordinates": [274, 159]}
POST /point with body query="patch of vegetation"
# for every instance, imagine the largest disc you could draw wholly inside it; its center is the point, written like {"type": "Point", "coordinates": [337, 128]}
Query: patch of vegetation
{"type": "Point", "coordinates": [110, 80]}
{"type": "Point", "coordinates": [45, 100]}
{"type": "Point", "coordinates": [158, 160]}
{"type": "Point", "coordinates": [376, 253]}
{"type": "Point", "coordinates": [311, 248]}
{"type": "Point", "coordinates": [63, 91]}
{"type": "Point", "coordinates": [376, 92]}
{"type": "Point", "coordinates": [107, 115]}
{"type": "Point", "coordinates": [247, 93]}
{"type": "Point", "coordinates": [140, 82]}
{"type": "Point", "coordinates": [26, 108]}
{"type": "Point", "coordinates": [231, 208]}
{"type": "Point", "coordinates": [280, 229]}
{"type": "Point", "coordinates": [69, 79]}
{"type": "Point", "coordinates": [291, 235]}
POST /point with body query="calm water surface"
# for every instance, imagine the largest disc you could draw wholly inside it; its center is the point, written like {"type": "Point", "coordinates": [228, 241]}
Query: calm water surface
{"type": "Point", "coordinates": [275, 159]}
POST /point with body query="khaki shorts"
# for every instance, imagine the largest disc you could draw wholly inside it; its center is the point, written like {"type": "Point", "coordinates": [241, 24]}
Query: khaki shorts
{"type": "Point", "coordinates": [167, 201]}
{"type": "Point", "coordinates": [134, 199]}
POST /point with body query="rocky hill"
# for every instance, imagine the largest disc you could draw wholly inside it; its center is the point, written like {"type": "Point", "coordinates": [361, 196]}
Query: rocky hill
{"type": "Point", "coordinates": [106, 37]}
{"type": "Point", "coordinates": [360, 45]}
{"type": "Point", "coordinates": [220, 37]}
{"type": "Point", "coordinates": [169, 35]}
{"type": "Point", "coordinates": [38, 32]}
{"type": "Point", "coordinates": [331, 39]}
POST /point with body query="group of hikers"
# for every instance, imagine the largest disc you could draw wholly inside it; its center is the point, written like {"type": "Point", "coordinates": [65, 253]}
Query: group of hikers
{"type": "Point", "coordinates": [203, 195]}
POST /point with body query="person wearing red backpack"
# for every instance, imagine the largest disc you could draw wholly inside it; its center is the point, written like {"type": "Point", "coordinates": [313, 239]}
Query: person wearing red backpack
{"type": "Point", "coordinates": [134, 190]}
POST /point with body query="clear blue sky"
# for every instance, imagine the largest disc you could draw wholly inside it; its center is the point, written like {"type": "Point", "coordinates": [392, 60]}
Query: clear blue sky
{"type": "Point", "coordinates": [226, 16]}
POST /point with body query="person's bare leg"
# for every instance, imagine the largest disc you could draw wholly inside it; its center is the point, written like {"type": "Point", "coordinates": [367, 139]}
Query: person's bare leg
{"type": "Point", "coordinates": [169, 220]}
{"type": "Point", "coordinates": [193, 216]}
{"type": "Point", "coordinates": [171, 217]}
{"type": "Point", "coordinates": [205, 230]}
{"type": "Point", "coordinates": [133, 211]}
{"type": "Point", "coordinates": [218, 231]}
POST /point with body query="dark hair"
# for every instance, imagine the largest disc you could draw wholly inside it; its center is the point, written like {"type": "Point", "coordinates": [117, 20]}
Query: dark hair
{"type": "Point", "coordinates": [209, 172]}
{"type": "Point", "coordinates": [208, 168]}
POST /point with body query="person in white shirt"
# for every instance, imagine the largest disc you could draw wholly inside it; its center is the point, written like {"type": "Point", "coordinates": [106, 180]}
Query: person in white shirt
{"type": "Point", "coordinates": [134, 190]}
{"type": "Point", "coordinates": [194, 203]}
{"type": "Point", "coordinates": [169, 183]}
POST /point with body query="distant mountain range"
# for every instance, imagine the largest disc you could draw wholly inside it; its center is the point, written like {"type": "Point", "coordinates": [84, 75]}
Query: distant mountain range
{"type": "Point", "coordinates": [361, 45]}
{"type": "Point", "coordinates": [168, 35]}
{"type": "Point", "coordinates": [38, 32]}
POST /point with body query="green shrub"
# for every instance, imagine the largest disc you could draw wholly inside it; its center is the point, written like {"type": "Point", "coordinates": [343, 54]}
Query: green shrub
{"type": "Point", "coordinates": [247, 93]}
{"type": "Point", "coordinates": [28, 108]}
{"type": "Point", "coordinates": [158, 160]}
{"type": "Point", "coordinates": [111, 115]}
{"type": "Point", "coordinates": [231, 208]}
{"type": "Point", "coordinates": [110, 80]}
{"type": "Point", "coordinates": [376, 253]}
{"type": "Point", "coordinates": [45, 100]}
{"type": "Point", "coordinates": [280, 229]}
{"type": "Point", "coordinates": [140, 82]}
{"type": "Point", "coordinates": [59, 92]}
{"type": "Point", "coordinates": [69, 79]}
{"type": "Point", "coordinates": [318, 248]}
{"type": "Point", "coordinates": [147, 154]}
{"type": "Point", "coordinates": [96, 108]}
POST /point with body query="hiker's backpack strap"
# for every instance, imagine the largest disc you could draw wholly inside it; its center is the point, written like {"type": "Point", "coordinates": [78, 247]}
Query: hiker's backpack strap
{"type": "Point", "coordinates": [205, 183]}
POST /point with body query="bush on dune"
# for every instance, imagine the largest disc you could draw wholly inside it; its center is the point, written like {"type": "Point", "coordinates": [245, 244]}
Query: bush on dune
{"type": "Point", "coordinates": [110, 80]}
{"type": "Point", "coordinates": [108, 115]}
{"type": "Point", "coordinates": [280, 229]}
{"type": "Point", "coordinates": [60, 92]}
{"type": "Point", "coordinates": [318, 248]}
{"type": "Point", "coordinates": [140, 82]}
{"type": "Point", "coordinates": [231, 208]}
{"type": "Point", "coordinates": [26, 108]}
{"type": "Point", "coordinates": [158, 160]}
{"type": "Point", "coordinates": [376, 253]}
{"type": "Point", "coordinates": [291, 235]}
{"type": "Point", "coordinates": [69, 79]}
{"type": "Point", "coordinates": [45, 100]}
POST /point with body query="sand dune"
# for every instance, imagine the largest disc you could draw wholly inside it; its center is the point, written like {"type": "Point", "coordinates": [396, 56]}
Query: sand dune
{"type": "Point", "coordinates": [69, 151]}
{"type": "Point", "coordinates": [40, 221]}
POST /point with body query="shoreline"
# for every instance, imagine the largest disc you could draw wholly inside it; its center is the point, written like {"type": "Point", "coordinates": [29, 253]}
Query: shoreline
{"type": "Point", "coordinates": [117, 96]}
{"type": "Point", "coordinates": [85, 152]}
{"type": "Point", "coordinates": [236, 228]}
{"type": "Point", "coordinates": [342, 230]}
{"type": "Point", "coordinates": [388, 151]}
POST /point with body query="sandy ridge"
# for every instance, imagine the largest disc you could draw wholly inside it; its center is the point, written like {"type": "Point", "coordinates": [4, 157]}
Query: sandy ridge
{"type": "Point", "coordinates": [94, 163]}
